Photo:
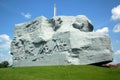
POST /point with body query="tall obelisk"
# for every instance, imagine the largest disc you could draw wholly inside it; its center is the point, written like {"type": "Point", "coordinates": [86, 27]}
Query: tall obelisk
{"type": "Point", "coordinates": [54, 10]}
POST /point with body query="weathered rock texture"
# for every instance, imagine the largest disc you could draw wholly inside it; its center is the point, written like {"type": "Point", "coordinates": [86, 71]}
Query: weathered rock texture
{"type": "Point", "coordinates": [62, 40]}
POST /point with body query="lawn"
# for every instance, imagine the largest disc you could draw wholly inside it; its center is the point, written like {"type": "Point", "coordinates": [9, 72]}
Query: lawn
{"type": "Point", "coordinates": [88, 72]}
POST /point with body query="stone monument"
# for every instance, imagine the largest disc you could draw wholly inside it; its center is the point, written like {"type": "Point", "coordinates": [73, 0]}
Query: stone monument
{"type": "Point", "coordinates": [61, 40]}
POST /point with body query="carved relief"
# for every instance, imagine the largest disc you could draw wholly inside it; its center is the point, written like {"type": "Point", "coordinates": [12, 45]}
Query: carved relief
{"type": "Point", "coordinates": [32, 26]}
{"type": "Point", "coordinates": [59, 45]}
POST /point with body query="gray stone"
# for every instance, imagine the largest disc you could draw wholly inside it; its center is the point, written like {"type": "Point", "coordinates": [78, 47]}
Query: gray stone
{"type": "Point", "coordinates": [62, 40]}
{"type": "Point", "coordinates": [92, 47]}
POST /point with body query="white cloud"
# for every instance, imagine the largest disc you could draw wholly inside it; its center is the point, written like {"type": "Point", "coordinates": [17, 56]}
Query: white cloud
{"type": "Point", "coordinates": [5, 42]}
{"type": "Point", "coordinates": [117, 52]}
{"type": "Point", "coordinates": [116, 58]}
{"type": "Point", "coordinates": [116, 28]}
{"type": "Point", "coordinates": [27, 15]}
{"type": "Point", "coordinates": [103, 30]}
{"type": "Point", "coordinates": [6, 57]}
{"type": "Point", "coordinates": [116, 13]}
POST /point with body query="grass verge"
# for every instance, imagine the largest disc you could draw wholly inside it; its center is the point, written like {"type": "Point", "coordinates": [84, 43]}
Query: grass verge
{"type": "Point", "coordinates": [88, 72]}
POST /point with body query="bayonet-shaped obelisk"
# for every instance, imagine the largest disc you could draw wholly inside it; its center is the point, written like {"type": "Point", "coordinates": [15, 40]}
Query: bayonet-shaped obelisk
{"type": "Point", "coordinates": [55, 10]}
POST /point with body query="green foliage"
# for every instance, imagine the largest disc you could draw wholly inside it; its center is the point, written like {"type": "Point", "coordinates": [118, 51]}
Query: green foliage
{"type": "Point", "coordinates": [60, 73]}
{"type": "Point", "coordinates": [4, 64]}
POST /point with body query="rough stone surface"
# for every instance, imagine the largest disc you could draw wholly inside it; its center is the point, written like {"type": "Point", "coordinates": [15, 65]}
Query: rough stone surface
{"type": "Point", "coordinates": [62, 40]}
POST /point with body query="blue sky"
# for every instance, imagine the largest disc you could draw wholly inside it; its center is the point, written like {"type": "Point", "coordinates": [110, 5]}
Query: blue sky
{"type": "Point", "coordinates": [104, 14]}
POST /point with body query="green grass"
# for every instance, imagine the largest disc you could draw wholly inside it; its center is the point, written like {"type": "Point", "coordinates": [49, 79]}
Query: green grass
{"type": "Point", "coordinates": [60, 73]}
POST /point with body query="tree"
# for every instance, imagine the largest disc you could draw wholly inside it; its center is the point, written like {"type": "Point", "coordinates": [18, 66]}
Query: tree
{"type": "Point", "coordinates": [4, 64]}
{"type": "Point", "coordinates": [1, 66]}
